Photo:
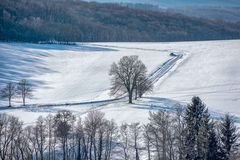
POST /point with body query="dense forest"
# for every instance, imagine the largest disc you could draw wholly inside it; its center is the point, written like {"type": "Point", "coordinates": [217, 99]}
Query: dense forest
{"type": "Point", "coordinates": [69, 20]}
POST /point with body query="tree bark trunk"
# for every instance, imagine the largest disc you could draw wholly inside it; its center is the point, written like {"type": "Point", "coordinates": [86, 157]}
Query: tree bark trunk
{"type": "Point", "coordinates": [79, 157]}
{"type": "Point", "coordinates": [9, 102]}
{"type": "Point", "coordinates": [136, 93]}
{"type": "Point", "coordinates": [130, 97]}
{"type": "Point", "coordinates": [23, 101]}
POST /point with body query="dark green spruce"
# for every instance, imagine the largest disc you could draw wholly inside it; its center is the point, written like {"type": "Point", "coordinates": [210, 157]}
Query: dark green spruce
{"type": "Point", "coordinates": [197, 129]}
{"type": "Point", "coordinates": [229, 137]}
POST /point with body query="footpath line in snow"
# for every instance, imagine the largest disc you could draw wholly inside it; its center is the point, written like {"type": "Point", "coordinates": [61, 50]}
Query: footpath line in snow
{"type": "Point", "coordinates": [164, 68]}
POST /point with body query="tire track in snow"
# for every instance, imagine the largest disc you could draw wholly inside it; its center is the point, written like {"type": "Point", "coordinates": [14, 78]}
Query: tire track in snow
{"type": "Point", "coordinates": [164, 68]}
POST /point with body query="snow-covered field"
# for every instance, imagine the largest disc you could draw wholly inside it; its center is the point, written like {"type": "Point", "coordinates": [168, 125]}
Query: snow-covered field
{"type": "Point", "coordinates": [68, 73]}
{"type": "Point", "coordinates": [73, 74]}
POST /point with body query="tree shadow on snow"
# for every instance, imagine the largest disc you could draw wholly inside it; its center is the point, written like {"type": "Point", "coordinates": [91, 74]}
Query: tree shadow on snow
{"type": "Point", "coordinates": [17, 64]}
{"type": "Point", "coordinates": [83, 47]}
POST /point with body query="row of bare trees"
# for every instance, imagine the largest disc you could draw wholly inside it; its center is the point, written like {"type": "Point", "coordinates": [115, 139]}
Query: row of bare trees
{"type": "Point", "coordinates": [178, 135]}
{"type": "Point", "coordinates": [62, 136]}
{"type": "Point", "coordinates": [11, 90]}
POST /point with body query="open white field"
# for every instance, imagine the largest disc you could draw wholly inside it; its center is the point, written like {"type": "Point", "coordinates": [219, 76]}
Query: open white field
{"type": "Point", "coordinates": [66, 74]}
{"type": "Point", "coordinates": [211, 71]}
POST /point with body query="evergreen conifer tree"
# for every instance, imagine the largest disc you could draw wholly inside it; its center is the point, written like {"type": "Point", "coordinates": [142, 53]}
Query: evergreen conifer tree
{"type": "Point", "coordinates": [229, 137]}
{"type": "Point", "coordinates": [214, 152]}
{"type": "Point", "coordinates": [197, 126]}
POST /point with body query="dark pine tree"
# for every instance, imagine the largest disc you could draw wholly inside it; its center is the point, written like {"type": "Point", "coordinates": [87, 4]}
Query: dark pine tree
{"type": "Point", "coordinates": [229, 137]}
{"type": "Point", "coordinates": [214, 152]}
{"type": "Point", "coordinates": [197, 126]}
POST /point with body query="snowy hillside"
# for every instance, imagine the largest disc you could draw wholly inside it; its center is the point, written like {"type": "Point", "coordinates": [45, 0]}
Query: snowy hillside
{"type": "Point", "coordinates": [69, 73]}
{"type": "Point", "coordinates": [67, 76]}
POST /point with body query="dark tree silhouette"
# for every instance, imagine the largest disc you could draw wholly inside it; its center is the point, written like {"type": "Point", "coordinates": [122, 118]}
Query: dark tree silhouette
{"type": "Point", "coordinates": [126, 74]}
{"type": "Point", "coordinates": [63, 123]}
{"type": "Point", "coordinates": [9, 91]}
{"type": "Point", "coordinates": [197, 126]}
{"type": "Point", "coordinates": [229, 137]}
{"type": "Point", "coordinates": [214, 151]}
{"type": "Point", "coordinates": [24, 89]}
{"type": "Point", "coordinates": [143, 85]}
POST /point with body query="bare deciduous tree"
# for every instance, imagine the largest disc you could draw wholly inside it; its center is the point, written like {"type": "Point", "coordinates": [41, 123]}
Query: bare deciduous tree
{"type": "Point", "coordinates": [24, 89]}
{"type": "Point", "coordinates": [135, 133]}
{"type": "Point", "coordinates": [147, 139]}
{"type": "Point", "coordinates": [23, 145]}
{"type": "Point", "coordinates": [92, 123]}
{"type": "Point", "coordinates": [49, 123]}
{"type": "Point", "coordinates": [9, 91]}
{"type": "Point", "coordinates": [81, 141]}
{"type": "Point", "coordinates": [143, 85]}
{"type": "Point", "coordinates": [179, 131]}
{"type": "Point", "coordinates": [40, 135]}
{"type": "Point", "coordinates": [124, 141]}
{"type": "Point", "coordinates": [94, 137]}
{"type": "Point", "coordinates": [111, 135]}
{"type": "Point", "coordinates": [125, 75]}
{"type": "Point", "coordinates": [63, 125]}
{"type": "Point", "coordinates": [160, 130]}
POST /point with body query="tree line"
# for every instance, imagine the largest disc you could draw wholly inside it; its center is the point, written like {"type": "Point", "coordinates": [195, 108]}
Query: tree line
{"type": "Point", "coordinates": [22, 89]}
{"type": "Point", "coordinates": [188, 133]}
{"type": "Point", "coordinates": [76, 20]}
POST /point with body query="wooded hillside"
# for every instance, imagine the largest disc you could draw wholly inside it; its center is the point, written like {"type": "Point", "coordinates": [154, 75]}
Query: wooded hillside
{"type": "Point", "coordinates": [69, 20]}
